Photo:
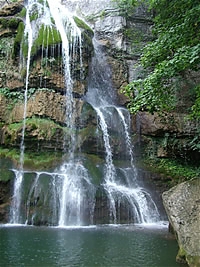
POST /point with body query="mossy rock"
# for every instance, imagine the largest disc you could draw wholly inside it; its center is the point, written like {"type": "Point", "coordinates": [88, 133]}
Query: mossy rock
{"type": "Point", "coordinates": [87, 33]}
{"type": "Point", "coordinates": [193, 261]}
{"type": "Point", "coordinates": [82, 25]}
{"type": "Point", "coordinates": [94, 164]}
{"type": "Point", "coordinates": [11, 23]}
{"type": "Point", "coordinates": [47, 36]}
{"type": "Point", "coordinates": [33, 160]}
{"type": "Point", "coordinates": [88, 115]}
{"type": "Point", "coordinates": [36, 129]}
{"type": "Point", "coordinates": [18, 40]}
{"type": "Point", "coordinates": [184, 258]}
{"type": "Point", "coordinates": [6, 165]}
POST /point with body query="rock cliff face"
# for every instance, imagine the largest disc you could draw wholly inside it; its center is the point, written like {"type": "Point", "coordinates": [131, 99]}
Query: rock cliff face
{"type": "Point", "coordinates": [182, 204]}
{"type": "Point", "coordinates": [46, 88]}
{"type": "Point", "coordinates": [46, 91]}
{"type": "Point", "coordinates": [174, 132]}
{"type": "Point", "coordinates": [46, 81]}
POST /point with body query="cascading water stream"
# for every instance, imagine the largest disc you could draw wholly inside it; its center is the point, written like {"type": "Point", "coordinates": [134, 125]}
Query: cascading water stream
{"type": "Point", "coordinates": [16, 200]}
{"type": "Point", "coordinates": [127, 135]}
{"type": "Point", "coordinates": [71, 37]}
{"type": "Point", "coordinates": [67, 195]}
{"type": "Point", "coordinates": [76, 191]}
{"type": "Point", "coordinates": [71, 193]}
{"type": "Point", "coordinates": [110, 168]}
{"type": "Point", "coordinates": [68, 198]}
{"type": "Point", "coordinates": [140, 203]}
{"type": "Point", "coordinates": [142, 207]}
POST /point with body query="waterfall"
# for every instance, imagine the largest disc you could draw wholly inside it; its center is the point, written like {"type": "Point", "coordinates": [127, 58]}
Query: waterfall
{"type": "Point", "coordinates": [125, 191]}
{"type": "Point", "coordinates": [16, 200]}
{"type": "Point", "coordinates": [77, 195]}
{"type": "Point", "coordinates": [71, 175]}
{"type": "Point", "coordinates": [126, 126]}
{"type": "Point", "coordinates": [63, 197]}
{"type": "Point", "coordinates": [67, 196]}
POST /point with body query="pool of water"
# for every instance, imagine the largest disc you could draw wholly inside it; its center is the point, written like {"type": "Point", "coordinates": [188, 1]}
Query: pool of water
{"type": "Point", "coordinates": [106, 246]}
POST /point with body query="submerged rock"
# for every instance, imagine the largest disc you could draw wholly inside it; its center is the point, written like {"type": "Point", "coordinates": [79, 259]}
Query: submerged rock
{"type": "Point", "coordinates": [182, 204]}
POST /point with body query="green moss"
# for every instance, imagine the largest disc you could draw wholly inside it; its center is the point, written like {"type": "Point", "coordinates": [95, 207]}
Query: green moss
{"type": "Point", "coordinates": [46, 128]}
{"type": "Point", "coordinates": [3, 22]}
{"type": "Point", "coordinates": [34, 16]}
{"type": "Point", "coordinates": [81, 24]}
{"type": "Point", "coordinates": [175, 170]}
{"type": "Point", "coordinates": [23, 72]}
{"type": "Point", "coordinates": [47, 36]}
{"type": "Point", "coordinates": [18, 40]}
{"type": "Point", "coordinates": [183, 257]}
{"type": "Point", "coordinates": [6, 175]}
{"type": "Point", "coordinates": [87, 41]}
{"type": "Point", "coordinates": [10, 154]}
{"type": "Point", "coordinates": [94, 164]}
{"type": "Point", "coordinates": [15, 126]}
{"type": "Point", "coordinates": [11, 23]}
{"type": "Point", "coordinates": [42, 160]}
{"type": "Point", "coordinates": [193, 261]}
{"type": "Point", "coordinates": [23, 13]}
{"type": "Point", "coordinates": [36, 128]}
{"type": "Point", "coordinates": [33, 160]}
{"type": "Point", "coordinates": [102, 14]}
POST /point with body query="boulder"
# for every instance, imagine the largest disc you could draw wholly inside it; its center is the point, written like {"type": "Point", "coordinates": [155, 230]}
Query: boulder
{"type": "Point", "coordinates": [182, 204]}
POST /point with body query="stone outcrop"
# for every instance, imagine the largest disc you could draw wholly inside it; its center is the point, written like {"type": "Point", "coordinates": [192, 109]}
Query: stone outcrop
{"type": "Point", "coordinates": [182, 204]}
{"type": "Point", "coordinates": [173, 123]}
{"type": "Point", "coordinates": [170, 135]}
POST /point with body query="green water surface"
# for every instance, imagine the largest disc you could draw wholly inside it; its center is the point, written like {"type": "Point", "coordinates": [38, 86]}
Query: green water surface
{"type": "Point", "coordinates": [106, 246]}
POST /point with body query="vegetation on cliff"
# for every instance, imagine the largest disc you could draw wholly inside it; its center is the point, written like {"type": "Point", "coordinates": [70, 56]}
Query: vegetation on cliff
{"type": "Point", "coordinates": [32, 160]}
{"type": "Point", "coordinates": [173, 56]}
{"type": "Point", "coordinates": [168, 80]}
